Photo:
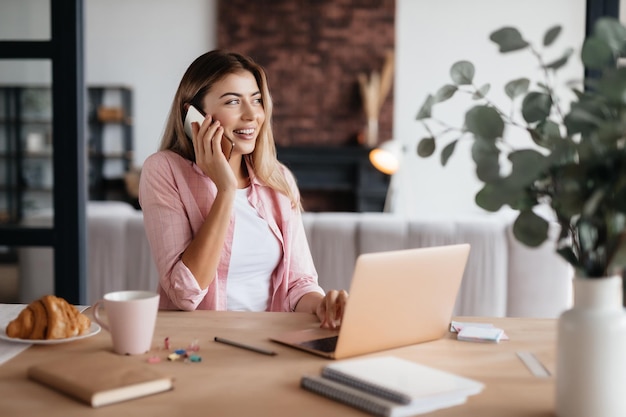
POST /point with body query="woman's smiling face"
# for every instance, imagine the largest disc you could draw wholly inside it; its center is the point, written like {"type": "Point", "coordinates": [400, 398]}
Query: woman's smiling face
{"type": "Point", "coordinates": [236, 102]}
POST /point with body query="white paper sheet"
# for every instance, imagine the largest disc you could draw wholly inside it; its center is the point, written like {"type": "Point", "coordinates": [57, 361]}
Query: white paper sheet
{"type": "Point", "coordinates": [9, 350]}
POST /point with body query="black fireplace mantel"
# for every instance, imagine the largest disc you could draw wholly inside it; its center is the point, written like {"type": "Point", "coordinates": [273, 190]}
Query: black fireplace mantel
{"type": "Point", "coordinates": [336, 178]}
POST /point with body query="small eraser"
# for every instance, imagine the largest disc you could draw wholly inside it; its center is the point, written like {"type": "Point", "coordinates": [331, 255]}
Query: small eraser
{"type": "Point", "coordinates": [480, 334]}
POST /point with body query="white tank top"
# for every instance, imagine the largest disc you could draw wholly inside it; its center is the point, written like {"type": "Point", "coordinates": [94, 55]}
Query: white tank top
{"type": "Point", "coordinates": [255, 254]}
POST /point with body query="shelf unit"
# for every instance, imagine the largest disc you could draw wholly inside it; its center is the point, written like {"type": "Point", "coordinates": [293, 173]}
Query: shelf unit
{"type": "Point", "coordinates": [26, 147]}
{"type": "Point", "coordinates": [110, 141]}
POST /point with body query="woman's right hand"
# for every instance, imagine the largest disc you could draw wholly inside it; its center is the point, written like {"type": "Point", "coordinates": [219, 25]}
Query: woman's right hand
{"type": "Point", "coordinates": [331, 308]}
{"type": "Point", "coordinates": [207, 143]}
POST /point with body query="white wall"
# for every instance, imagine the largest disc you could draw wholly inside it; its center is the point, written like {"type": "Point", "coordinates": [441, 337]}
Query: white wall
{"type": "Point", "coordinates": [25, 20]}
{"type": "Point", "coordinates": [430, 37]}
{"type": "Point", "coordinates": [146, 44]}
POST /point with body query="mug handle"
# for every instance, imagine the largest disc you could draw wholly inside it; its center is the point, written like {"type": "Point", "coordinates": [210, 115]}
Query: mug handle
{"type": "Point", "coordinates": [96, 315]}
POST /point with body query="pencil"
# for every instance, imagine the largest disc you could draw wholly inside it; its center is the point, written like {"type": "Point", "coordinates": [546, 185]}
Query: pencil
{"type": "Point", "coordinates": [243, 346]}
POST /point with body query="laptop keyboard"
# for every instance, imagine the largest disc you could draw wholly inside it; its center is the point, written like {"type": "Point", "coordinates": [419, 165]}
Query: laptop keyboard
{"type": "Point", "coordinates": [326, 344]}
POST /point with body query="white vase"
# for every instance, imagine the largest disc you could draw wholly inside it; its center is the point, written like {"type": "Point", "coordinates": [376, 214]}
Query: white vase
{"type": "Point", "coordinates": [591, 351]}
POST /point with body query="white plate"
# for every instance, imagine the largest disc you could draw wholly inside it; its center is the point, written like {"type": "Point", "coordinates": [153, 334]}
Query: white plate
{"type": "Point", "coordinates": [94, 329]}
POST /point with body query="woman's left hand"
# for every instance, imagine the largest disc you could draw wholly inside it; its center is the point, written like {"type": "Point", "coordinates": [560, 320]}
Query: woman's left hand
{"type": "Point", "coordinates": [331, 307]}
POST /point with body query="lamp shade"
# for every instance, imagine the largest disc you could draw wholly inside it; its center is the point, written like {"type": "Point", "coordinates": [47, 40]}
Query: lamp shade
{"type": "Point", "coordinates": [386, 157]}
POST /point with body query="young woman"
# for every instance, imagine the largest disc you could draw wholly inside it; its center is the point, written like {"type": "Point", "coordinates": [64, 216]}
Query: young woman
{"type": "Point", "coordinates": [225, 229]}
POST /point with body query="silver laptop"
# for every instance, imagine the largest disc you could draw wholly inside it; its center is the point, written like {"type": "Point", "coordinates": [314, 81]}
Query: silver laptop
{"type": "Point", "coordinates": [397, 298]}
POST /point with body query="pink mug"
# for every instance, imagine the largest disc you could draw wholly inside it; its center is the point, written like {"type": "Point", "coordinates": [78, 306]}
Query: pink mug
{"type": "Point", "coordinates": [130, 319]}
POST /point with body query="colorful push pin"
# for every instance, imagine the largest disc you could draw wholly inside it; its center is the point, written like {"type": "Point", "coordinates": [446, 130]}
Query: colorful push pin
{"type": "Point", "coordinates": [173, 357]}
{"type": "Point", "coordinates": [154, 359]}
{"type": "Point", "coordinates": [167, 343]}
{"type": "Point", "coordinates": [195, 358]}
{"type": "Point", "coordinates": [194, 346]}
{"type": "Point", "coordinates": [180, 352]}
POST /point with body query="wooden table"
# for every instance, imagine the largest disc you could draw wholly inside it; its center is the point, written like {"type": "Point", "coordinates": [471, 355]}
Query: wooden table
{"type": "Point", "coordinates": [235, 382]}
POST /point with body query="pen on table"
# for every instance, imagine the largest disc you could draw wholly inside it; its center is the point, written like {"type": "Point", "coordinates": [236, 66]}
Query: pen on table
{"type": "Point", "coordinates": [243, 346]}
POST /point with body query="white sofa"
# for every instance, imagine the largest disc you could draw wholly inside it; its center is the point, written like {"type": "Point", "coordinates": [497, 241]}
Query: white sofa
{"type": "Point", "coordinates": [502, 277]}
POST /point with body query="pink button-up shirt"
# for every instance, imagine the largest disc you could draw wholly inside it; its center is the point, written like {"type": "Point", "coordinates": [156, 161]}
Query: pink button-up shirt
{"type": "Point", "coordinates": [176, 196]}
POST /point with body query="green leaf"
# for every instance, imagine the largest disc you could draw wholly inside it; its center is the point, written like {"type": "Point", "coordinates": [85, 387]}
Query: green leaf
{"type": "Point", "coordinates": [489, 198]}
{"type": "Point", "coordinates": [426, 147]}
{"type": "Point", "coordinates": [447, 152]}
{"type": "Point", "coordinates": [486, 156]}
{"type": "Point", "coordinates": [445, 92]}
{"type": "Point", "coordinates": [609, 133]}
{"type": "Point", "coordinates": [536, 107]}
{"type": "Point", "coordinates": [584, 114]}
{"type": "Point", "coordinates": [569, 194]}
{"type": "Point", "coordinates": [618, 260]}
{"type": "Point", "coordinates": [530, 229]}
{"type": "Point", "coordinates": [558, 63]}
{"type": "Point", "coordinates": [484, 122]}
{"type": "Point", "coordinates": [610, 31]}
{"type": "Point", "coordinates": [563, 152]}
{"type": "Point", "coordinates": [426, 110]}
{"type": "Point", "coordinates": [596, 54]}
{"type": "Point", "coordinates": [546, 134]}
{"type": "Point", "coordinates": [612, 86]}
{"type": "Point", "coordinates": [579, 94]}
{"type": "Point", "coordinates": [516, 88]}
{"type": "Point", "coordinates": [587, 235]}
{"type": "Point", "coordinates": [536, 135]}
{"type": "Point", "coordinates": [527, 166]}
{"type": "Point", "coordinates": [503, 191]}
{"type": "Point", "coordinates": [521, 199]}
{"type": "Point", "coordinates": [551, 35]}
{"type": "Point", "coordinates": [481, 92]}
{"type": "Point", "coordinates": [551, 130]}
{"type": "Point", "coordinates": [620, 197]}
{"type": "Point", "coordinates": [593, 203]}
{"type": "Point", "coordinates": [584, 117]}
{"type": "Point", "coordinates": [615, 227]}
{"type": "Point", "coordinates": [590, 84]}
{"type": "Point", "coordinates": [508, 39]}
{"type": "Point", "coordinates": [570, 257]}
{"type": "Point", "coordinates": [462, 73]}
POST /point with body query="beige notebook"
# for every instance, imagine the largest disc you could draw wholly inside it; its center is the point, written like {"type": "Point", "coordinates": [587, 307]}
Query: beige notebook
{"type": "Point", "coordinates": [101, 378]}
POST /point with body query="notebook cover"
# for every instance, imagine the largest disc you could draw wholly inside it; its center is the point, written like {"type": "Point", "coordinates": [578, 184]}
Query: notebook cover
{"type": "Point", "coordinates": [400, 380]}
{"type": "Point", "coordinates": [100, 378]}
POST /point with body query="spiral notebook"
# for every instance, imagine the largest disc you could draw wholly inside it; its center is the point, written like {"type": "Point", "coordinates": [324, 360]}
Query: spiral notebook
{"type": "Point", "coordinates": [418, 289]}
{"type": "Point", "coordinates": [391, 386]}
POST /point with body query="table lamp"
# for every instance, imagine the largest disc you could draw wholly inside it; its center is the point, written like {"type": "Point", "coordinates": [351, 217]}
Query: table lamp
{"type": "Point", "coordinates": [386, 157]}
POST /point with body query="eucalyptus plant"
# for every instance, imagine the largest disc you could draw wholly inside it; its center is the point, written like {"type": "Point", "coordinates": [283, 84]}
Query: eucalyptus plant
{"type": "Point", "coordinates": [576, 159]}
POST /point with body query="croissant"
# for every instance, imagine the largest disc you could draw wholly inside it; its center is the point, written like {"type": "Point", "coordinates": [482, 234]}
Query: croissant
{"type": "Point", "coordinates": [49, 317]}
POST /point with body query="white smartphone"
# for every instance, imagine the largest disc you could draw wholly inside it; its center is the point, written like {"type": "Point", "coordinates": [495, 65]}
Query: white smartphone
{"type": "Point", "coordinates": [194, 115]}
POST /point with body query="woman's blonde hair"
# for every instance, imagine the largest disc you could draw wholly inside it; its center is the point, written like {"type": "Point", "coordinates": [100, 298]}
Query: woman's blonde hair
{"type": "Point", "coordinates": [201, 75]}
